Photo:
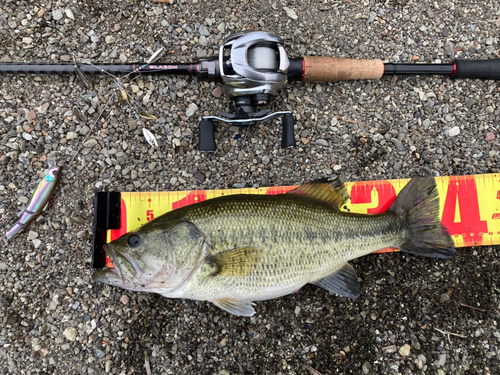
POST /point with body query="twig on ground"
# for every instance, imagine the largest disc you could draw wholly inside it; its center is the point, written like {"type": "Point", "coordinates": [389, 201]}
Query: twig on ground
{"type": "Point", "coordinates": [447, 334]}
{"type": "Point", "coordinates": [471, 307]}
{"type": "Point", "coordinates": [146, 362]}
{"type": "Point", "coordinates": [455, 154]}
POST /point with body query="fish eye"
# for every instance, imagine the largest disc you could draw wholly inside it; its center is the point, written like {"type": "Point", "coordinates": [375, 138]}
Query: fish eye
{"type": "Point", "coordinates": [133, 240]}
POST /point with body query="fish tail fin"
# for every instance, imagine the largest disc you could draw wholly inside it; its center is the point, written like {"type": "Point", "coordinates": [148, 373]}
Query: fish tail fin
{"type": "Point", "coordinates": [418, 206]}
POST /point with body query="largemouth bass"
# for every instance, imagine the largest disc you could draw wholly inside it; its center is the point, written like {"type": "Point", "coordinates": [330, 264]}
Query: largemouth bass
{"type": "Point", "coordinates": [237, 249]}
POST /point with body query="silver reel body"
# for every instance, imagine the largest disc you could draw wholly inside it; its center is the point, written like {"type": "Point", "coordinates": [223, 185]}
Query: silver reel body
{"type": "Point", "coordinates": [257, 64]}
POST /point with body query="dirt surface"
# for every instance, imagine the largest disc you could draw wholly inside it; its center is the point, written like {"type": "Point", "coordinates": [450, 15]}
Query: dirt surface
{"type": "Point", "coordinates": [415, 315]}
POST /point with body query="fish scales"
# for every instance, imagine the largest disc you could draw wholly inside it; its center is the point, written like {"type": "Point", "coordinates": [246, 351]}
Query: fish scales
{"type": "Point", "coordinates": [303, 243]}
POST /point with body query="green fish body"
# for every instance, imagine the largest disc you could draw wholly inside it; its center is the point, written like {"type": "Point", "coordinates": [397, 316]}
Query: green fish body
{"type": "Point", "coordinates": [236, 249]}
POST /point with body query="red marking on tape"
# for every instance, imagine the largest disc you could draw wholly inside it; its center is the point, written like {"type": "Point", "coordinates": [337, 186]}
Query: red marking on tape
{"type": "Point", "coordinates": [279, 190]}
{"type": "Point", "coordinates": [495, 216]}
{"type": "Point", "coordinates": [192, 197]}
{"type": "Point", "coordinates": [471, 227]}
{"type": "Point", "coordinates": [361, 192]}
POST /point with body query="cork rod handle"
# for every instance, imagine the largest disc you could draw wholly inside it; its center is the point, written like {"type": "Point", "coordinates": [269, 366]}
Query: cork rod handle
{"type": "Point", "coordinates": [331, 69]}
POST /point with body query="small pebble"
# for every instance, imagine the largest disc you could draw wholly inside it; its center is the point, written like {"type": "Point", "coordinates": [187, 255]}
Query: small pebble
{"type": "Point", "coordinates": [404, 351]}
{"type": "Point", "coordinates": [389, 349]}
{"type": "Point", "coordinates": [70, 333]}
{"type": "Point", "coordinates": [71, 135]}
{"type": "Point", "coordinates": [489, 137]}
{"type": "Point", "coordinates": [202, 40]}
{"type": "Point", "coordinates": [90, 143]}
{"type": "Point", "coordinates": [321, 142]}
{"type": "Point", "coordinates": [124, 299]}
{"type": "Point", "coordinates": [191, 109]}
{"type": "Point", "coordinates": [203, 31]}
{"type": "Point", "coordinates": [445, 297]}
{"type": "Point", "coordinates": [57, 14]}
{"type": "Point", "coordinates": [199, 176]}
{"type": "Point", "coordinates": [100, 354]}
{"type": "Point", "coordinates": [449, 48]}
{"type": "Point", "coordinates": [290, 13]}
{"type": "Point", "coordinates": [69, 13]}
{"type": "Point", "coordinates": [217, 92]}
{"type": "Point", "coordinates": [440, 362]}
{"type": "Point", "coordinates": [367, 368]}
{"type": "Point", "coordinates": [32, 235]}
{"type": "Point", "coordinates": [454, 131]}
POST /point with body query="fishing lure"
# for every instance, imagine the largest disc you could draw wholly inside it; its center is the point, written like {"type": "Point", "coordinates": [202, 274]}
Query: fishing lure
{"type": "Point", "coordinates": [39, 199]}
{"type": "Point", "coordinates": [123, 96]}
{"type": "Point", "coordinates": [46, 188]}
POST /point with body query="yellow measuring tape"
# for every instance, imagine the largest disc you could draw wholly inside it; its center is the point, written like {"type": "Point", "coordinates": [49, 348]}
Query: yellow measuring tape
{"type": "Point", "coordinates": [470, 205]}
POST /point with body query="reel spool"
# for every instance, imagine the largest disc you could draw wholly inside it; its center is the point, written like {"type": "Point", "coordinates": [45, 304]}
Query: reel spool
{"type": "Point", "coordinates": [253, 66]}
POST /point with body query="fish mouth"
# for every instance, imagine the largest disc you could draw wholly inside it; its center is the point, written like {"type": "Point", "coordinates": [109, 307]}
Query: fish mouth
{"type": "Point", "coordinates": [110, 276]}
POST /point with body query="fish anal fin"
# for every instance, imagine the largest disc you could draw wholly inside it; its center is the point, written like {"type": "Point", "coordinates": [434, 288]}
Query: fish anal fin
{"type": "Point", "coordinates": [235, 262]}
{"type": "Point", "coordinates": [332, 192]}
{"type": "Point", "coordinates": [235, 307]}
{"type": "Point", "coordinates": [343, 282]}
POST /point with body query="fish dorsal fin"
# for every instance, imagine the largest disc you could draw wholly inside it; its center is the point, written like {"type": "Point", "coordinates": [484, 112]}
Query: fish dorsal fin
{"type": "Point", "coordinates": [343, 282]}
{"type": "Point", "coordinates": [332, 192]}
{"type": "Point", "coordinates": [235, 307]}
{"type": "Point", "coordinates": [235, 262]}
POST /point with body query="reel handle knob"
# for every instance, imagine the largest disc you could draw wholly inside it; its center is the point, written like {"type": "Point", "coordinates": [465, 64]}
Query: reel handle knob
{"type": "Point", "coordinates": [207, 139]}
{"type": "Point", "coordinates": [288, 136]}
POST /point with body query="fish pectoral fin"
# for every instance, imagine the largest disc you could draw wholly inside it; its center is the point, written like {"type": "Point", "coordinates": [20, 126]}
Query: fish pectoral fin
{"type": "Point", "coordinates": [235, 307]}
{"type": "Point", "coordinates": [332, 192]}
{"type": "Point", "coordinates": [343, 282]}
{"type": "Point", "coordinates": [235, 262]}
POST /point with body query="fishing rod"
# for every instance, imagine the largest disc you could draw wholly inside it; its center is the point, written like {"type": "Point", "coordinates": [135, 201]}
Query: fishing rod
{"type": "Point", "coordinates": [254, 67]}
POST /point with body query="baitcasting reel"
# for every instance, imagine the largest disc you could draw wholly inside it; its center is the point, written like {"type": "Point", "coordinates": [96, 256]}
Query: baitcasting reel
{"type": "Point", "coordinates": [253, 66]}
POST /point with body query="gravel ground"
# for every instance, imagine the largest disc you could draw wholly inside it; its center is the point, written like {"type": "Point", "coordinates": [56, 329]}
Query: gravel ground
{"type": "Point", "coordinates": [55, 321]}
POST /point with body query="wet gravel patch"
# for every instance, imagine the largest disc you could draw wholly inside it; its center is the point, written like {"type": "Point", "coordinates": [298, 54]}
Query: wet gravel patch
{"type": "Point", "coordinates": [415, 315]}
